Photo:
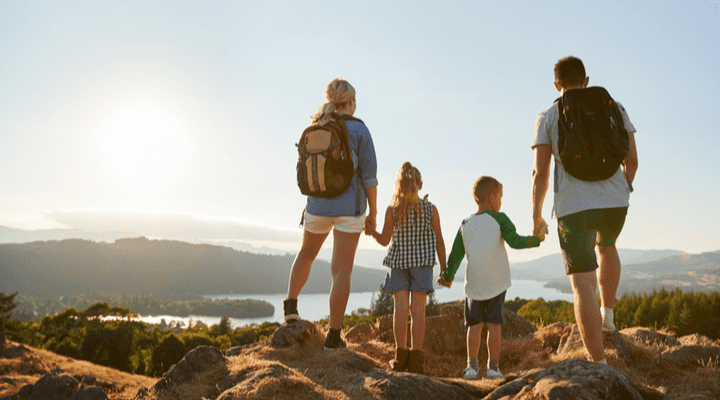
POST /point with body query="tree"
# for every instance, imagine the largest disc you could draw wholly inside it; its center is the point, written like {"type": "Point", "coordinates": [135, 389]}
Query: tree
{"type": "Point", "coordinates": [169, 351]}
{"type": "Point", "coordinates": [7, 305]}
{"type": "Point", "coordinates": [383, 305]}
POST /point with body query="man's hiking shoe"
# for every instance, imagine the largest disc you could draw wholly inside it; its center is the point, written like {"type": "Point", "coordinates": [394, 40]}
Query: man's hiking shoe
{"type": "Point", "coordinates": [493, 374]}
{"type": "Point", "coordinates": [290, 308]}
{"type": "Point", "coordinates": [333, 341]}
{"type": "Point", "coordinates": [470, 373]}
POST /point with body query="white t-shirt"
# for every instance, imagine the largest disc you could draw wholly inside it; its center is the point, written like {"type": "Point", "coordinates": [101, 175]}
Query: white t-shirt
{"type": "Point", "coordinates": [573, 195]}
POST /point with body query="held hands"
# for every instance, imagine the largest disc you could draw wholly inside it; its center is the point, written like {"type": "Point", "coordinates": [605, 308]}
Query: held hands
{"type": "Point", "coordinates": [370, 225]}
{"type": "Point", "coordinates": [442, 282]}
{"type": "Point", "coordinates": [540, 228]}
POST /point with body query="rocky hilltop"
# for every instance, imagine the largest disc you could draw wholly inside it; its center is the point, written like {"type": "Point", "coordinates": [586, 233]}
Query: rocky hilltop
{"type": "Point", "coordinates": [544, 363]}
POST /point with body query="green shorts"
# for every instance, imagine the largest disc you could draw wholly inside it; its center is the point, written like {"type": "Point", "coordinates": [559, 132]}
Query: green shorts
{"type": "Point", "coordinates": [580, 232]}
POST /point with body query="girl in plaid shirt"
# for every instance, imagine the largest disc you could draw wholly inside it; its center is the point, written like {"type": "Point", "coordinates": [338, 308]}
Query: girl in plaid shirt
{"type": "Point", "coordinates": [413, 224]}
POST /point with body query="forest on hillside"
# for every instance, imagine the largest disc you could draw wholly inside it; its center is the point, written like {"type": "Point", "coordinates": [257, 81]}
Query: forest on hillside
{"type": "Point", "coordinates": [30, 308]}
{"type": "Point", "coordinates": [133, 346]}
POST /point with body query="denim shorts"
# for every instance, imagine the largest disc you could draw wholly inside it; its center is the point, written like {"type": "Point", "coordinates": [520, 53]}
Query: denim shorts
{"type": "Point", "coordinates": [580, 232]}
{"type": "Point", "coordinates": [490, 311]}
{"type": "Point", "coordinates": [417, 279]}
{"type": "Point", "coordinates": [320, 224]}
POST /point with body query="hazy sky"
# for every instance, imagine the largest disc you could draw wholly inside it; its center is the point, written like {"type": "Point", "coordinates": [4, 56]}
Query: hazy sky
{"type": "Point", "coordinates": [179, 119]}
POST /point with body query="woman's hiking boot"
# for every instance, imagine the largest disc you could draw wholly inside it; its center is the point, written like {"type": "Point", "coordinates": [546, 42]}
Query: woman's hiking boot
{"type": "Point", "coordinates": [415, 362]}
{"type": "Point", "coordinates": [400, 363]}
{"type": "Point", "coordinates": [290, 309]}
{"type": "Point", "coordinates": [333, 341]}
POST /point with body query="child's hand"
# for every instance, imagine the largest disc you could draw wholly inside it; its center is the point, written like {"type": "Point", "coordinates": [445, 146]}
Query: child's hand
{"type": "Point", "coordinates": [442, 282]}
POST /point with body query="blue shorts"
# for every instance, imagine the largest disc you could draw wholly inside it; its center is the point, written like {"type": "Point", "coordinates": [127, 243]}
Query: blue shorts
{"type": "Point", "coordinates": [490, 311]}
{"type": "Point", "coordinates": [417, 279]}
{"type": "Point", "coordinates": [580, 232]}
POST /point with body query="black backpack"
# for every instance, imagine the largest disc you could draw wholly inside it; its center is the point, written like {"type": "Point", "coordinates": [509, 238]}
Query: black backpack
{"type": "Point", "coordinates": [325, 167]}
{"type": "Point", "coordinates": [592, 139]}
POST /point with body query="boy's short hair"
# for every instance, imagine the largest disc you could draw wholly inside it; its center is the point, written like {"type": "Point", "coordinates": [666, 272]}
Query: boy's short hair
{"type": "Point", "coordinates": [484, 187]}
{"type": "Point", "coordinates": [569, 71]}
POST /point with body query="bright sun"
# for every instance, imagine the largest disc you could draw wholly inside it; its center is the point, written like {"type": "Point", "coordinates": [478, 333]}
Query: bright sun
{"type": "Point", "coordinates": [144, 145]}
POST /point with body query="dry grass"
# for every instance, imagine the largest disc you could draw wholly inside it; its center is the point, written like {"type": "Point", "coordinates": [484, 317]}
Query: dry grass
{"type": "Point", "coordinates": [27, 366]}
{"type": "Point", "coordinates": [311, 373]}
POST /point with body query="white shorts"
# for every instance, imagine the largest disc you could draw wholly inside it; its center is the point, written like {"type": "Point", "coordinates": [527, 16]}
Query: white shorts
{"type": "Point", "coordinates": [319, 224]}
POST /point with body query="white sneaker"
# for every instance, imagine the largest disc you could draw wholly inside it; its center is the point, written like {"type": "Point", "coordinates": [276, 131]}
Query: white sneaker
{"type": "Point", "coordinates": [470, 373]}
{"type": "Point", "coordinates": [493, 374]}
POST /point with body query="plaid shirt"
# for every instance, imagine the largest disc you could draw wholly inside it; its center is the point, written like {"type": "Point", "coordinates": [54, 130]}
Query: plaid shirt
{"type": "Point", "coordinates": [413, 244]}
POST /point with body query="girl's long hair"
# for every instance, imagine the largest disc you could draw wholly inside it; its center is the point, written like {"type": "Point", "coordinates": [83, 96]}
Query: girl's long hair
{"type": "Point", "coordinates": [405, 199]}
{"type": "Point", "coordinates": [337, 93]}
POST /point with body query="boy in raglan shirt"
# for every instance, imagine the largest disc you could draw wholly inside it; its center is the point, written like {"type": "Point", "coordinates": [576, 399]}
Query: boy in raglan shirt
{"type": "Point", "coordinates": [482, 238]}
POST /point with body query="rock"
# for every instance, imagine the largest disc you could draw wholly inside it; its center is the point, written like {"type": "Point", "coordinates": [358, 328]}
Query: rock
{"type": "Point", "coordinates": [551, 335]}
{"type": "Point", "coordinates": [649, 336]}
{"type": "Point", "coordinates": [2, 344]}
{"type": "Point", "coordinates": [392, 385]}
{"type": "Point", "coordinates": [697, 339]}
{"type": "Point", "coordinates": [299, 334]}
{"type": "Point", "coordinates": [360, 333]}
{"type": "Point", "coordinates": [444, 334]}
{"type": "Point", "coordinates": [574, 379]}
{"type": "Point", "coordinates": [247, 379]}
{"type": "Point", "coordinates": [613, 342]}
{"type": "Point", "coordinates": [196, 361]}
{"type": "Point", "coordinates": [90, 393]}
{"type": "Point", "coordinates": [515, 326]}
{"type": "Point", "coordinates": [690, 356]}
{"type": "Point", "coordinates": [54, 386]}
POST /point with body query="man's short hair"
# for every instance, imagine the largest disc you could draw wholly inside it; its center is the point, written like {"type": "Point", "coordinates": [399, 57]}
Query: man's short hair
{"type": "Point", "coordinates": [569, 71]}
{"type": "Point", "coordinates": [484, 187]}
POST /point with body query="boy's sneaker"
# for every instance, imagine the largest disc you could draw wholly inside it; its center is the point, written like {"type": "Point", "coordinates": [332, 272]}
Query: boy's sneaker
{"type": "Point", "coordinates": [493, 374]}
{"type": "Point", "coordinates": [333, 341]}
{"type": "Point", "coordinates": [290, 309]}
{"type": "Point", "coordinates": [470, 373]}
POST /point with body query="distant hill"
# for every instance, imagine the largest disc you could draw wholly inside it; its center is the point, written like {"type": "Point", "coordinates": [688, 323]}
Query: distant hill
{"type": "Point", "coordinates": [689, 272]}
{"type": "Point", "coordinates": [162, 267]}
{"type": "Point", "coordinates": [552, 267]}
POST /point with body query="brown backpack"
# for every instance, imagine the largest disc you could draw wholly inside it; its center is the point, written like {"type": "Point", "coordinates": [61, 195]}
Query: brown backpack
{"type": "Point", "coordinates": [325, 166]}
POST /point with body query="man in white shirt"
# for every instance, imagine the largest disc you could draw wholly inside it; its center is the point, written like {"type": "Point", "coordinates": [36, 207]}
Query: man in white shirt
{"type": "Point", "coordinates": [589, 214]}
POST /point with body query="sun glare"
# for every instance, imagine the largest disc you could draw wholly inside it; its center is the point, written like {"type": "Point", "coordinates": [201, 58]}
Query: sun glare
{"type": "Point", "coordinates": [144, 145]}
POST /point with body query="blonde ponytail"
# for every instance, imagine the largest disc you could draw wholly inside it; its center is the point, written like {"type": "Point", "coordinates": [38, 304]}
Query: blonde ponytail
{"type": "Point", "coordinates": [338, 93]}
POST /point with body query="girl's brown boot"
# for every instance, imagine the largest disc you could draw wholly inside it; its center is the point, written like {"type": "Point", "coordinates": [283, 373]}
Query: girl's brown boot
{"type": "Point", "coordinates": [400, 363]}
{"type": "Point", "coordinates": [415, 362]}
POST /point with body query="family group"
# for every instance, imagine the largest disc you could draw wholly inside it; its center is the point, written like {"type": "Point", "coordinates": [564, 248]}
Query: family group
{"type": "Point", "coordinates": [590, 205]}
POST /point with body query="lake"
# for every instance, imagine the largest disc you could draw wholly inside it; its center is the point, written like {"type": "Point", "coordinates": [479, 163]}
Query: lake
{"type": "Point", "coordinates": [315, 307]}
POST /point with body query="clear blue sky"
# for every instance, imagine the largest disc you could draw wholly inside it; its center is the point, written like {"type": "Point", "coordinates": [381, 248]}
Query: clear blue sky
{"type": "Point", "coordinates": [453, 86]}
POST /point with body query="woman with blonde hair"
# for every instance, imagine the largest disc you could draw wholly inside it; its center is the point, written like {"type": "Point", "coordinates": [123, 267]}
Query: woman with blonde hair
{"type": "Point", "coordinates": [344, 214]}
{"type": "Point", "coordinates": [413, 224]}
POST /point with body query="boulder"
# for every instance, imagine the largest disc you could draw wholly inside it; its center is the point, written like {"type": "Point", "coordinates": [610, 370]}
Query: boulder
{"type": "Point", "coordinates": [90, 393]}
{"type": "Point", "coordinates": [574, 379]}
{"type": "Point", "coordinates": [195, 362]}
{"type": "Point", "coordinates": [649, 336]}
{"type": "Point", "coordinates": [54, 385]}
{"type": "Point", "coordinates": [393, 385]}
{"type": "Point", "coordinates": [298, 334]}
{"type": "Point", "coordinates": [613, 342]}
{"type": "Point", "coordinates": [360, 333]}
{"type": "Point", "coordinates": [2, 344]}
{"type": "Point", "coordinates": [693, 356]}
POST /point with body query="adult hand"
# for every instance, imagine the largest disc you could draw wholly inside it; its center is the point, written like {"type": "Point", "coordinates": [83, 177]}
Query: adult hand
{"type": "Point", "coordinates": [540, 227]}
{"type": "Point", "coordinates": [369, 224]}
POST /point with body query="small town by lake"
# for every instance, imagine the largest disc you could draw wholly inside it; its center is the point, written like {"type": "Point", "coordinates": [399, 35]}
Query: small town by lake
{"type": "Point", "coordinates": [315, 307]}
